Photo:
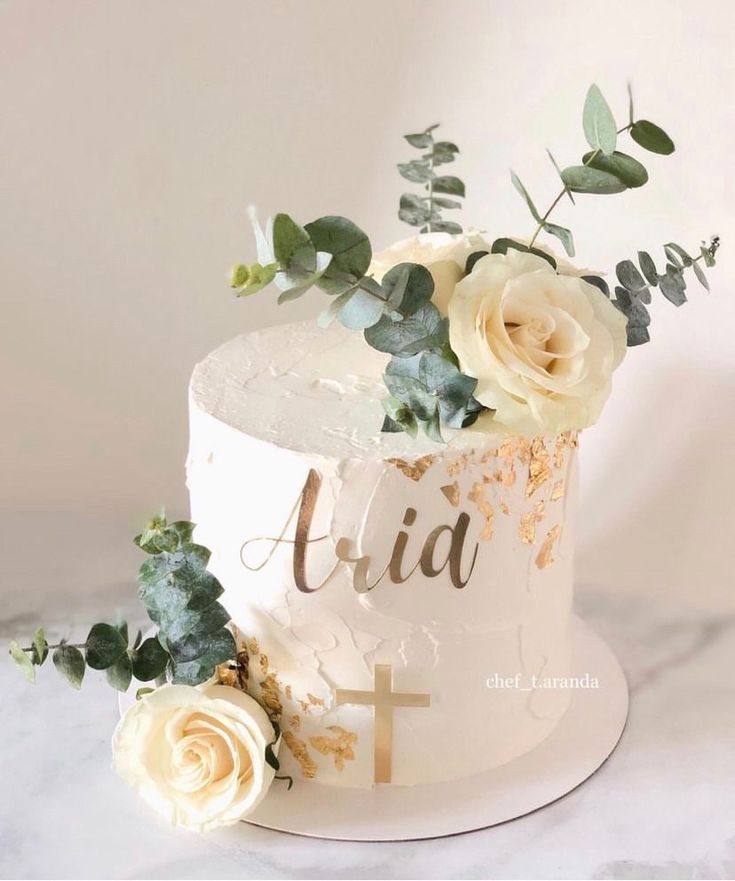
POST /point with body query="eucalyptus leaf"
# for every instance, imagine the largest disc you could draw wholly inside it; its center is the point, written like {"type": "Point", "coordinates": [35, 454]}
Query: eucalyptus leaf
{"type": "Point", "coordinates": [502, 246]}
{"type": "Point", "coordinates": [472, 259]}
{"type": "Point", "coordinates": [23, 661]}
{"type": "Point", "coordinates": [149, 660]}
{"type": "Point", "coordinates": [40, 647]}
{"type": "Point", "coordinates": [422, 140]}
{"type": "Point", "coordinates": [701, 277]}
{"type": "Point", "coordinates": [446, 226]}
{"type": "Point", "coordinates": [443, 152]}
{"type": "Point", "coordinates": [449, 185]}
{"type": "Point", "coordinates": [707, 256]}
{"type": "Point", "coordinates": [525, 196]}
{"type": "Point", "coordinates": [414, 210]}
{"type": "Point", "coordinates": [221, 648]}
{"type": "Point", "coordinates": [425, 329]}
{"type": "Point", "coordinates": [583, 179]}
{"type": "Point", "coordinates": [349, 248]}
{"type": "Point", "coordinates": [120, 674]}
{"type": "Point", "coordinates": [629, 276]}
{"type": "Point", "coordinates": [361, 310]}
{"type": "Point", "coordinates": [648, 267]}
{"type": "Point", "coordinates": [69, 661]}
{"type": "Point", "coordinates": [417, 171]}
{"type": "Point", "coordinates": [448, 204]}
{"type": "Point", "coordinates": [651, 137]}
{"type": "Point", "coordinates": [598, 282]}
{"type": "Point", "coordinates": [293, 249]}
{"type": "Point", "coordinates": [408, 286]}
{"type": "Point", "coordinates": [599, 124]}
{"type": "Point", "coordinates": [625, 168]}
{"type": "Point", "coordinates": [673, 248]}
{"type": "Point", "coordinates": [105, 644]}
{"type": "Point", "coordinates": [672, 286]}
{"type": "Point", "coordinates": [563, 234]}
{"type": "Point", "coordinates": [637, 335]}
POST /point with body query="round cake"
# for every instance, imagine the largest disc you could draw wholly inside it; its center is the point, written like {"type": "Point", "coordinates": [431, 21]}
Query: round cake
{"type": "Point", "coordinates": [403, 605]}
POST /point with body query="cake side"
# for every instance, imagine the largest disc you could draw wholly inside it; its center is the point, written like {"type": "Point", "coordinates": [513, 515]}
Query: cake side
{"type": "Point", "coordinates": [453, 568]}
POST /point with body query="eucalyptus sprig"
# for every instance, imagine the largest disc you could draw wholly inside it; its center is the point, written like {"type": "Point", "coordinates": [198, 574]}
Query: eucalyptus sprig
{"type": "Point", "coordinates": [604, 170]}
{"type": "Point", "coordinates": [425, 210]}
{"type": "Point", "coordinates": [180, 597]}
{"type": "Point", "coordinates": [633, 293]}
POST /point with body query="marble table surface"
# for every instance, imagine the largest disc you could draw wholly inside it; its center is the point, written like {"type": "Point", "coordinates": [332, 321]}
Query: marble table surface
{"type": "Point", "coordinates": [661, 807]}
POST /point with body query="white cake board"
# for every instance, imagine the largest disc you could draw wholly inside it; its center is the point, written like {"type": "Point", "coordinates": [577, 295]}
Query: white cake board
{"type": "Point", "coordinates": [586, 735]}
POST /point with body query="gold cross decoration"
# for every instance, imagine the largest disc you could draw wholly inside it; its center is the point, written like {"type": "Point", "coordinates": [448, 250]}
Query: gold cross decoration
{"type": "Point", "coordinates": [383, 698]}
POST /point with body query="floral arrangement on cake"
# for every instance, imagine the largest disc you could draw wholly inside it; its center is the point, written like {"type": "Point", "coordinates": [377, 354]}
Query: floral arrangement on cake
{"type": "Point", "coordinates": [476, 326]}
{"type": "Point", "coordinates": [479, 331]}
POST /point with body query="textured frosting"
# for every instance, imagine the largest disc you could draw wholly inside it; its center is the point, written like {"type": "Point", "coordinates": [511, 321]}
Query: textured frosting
{"type": "Point", "coordinates": [278, 409]}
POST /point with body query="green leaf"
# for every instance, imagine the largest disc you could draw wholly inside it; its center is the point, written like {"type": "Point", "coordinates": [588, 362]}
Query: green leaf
{"type": "Point", "coordinates": [563, 234]}
{"type": "Point", "coordinates": [473, 258]}
{"type": "Point", "coordinates": [408, 286]}
{"type": "Point", "coordinates": [630, 305]}
{"type": "Point", "coordinates": [446, 226]}
{"type": "Point", "coordinates": [417, 171]}
{"type": "Point", "coordinates": [598, 282]}
{"type": "Point", "coordinates": [160, 535]}
{"type": "Point", "coordinates": [23, 661]}
{"type": "Point", "coordinates": [105, 644]}
{"type": "Point", "coordinates": [40, 647]}
{"type": "Point", "coordinates": [631, 117]}
{"type": "Point", "coordinates": [651, 137]}
{"type": "Point", "coordinates": [648, 267]}
{"type": "Point", "coordinates": [221, 647]}
{"type": "Point", "coordinates": [672, 286]}
{"type": "Point", "coordinates": [296, 256]}
{"type": "Point", "coordinates": [69, 661]}
{"type": "Point", "coordinates": [501, 246]}
{"type": "Point", "coordinates": [414, 210]}
{"type": "Point", "coordinates": [150, 660]}
{"type": "Point", "coordinates": [598, 122]}
{"type": "Point", "coordinates": [449, 185]}
{"type": "Point", "coordinates": [327, 316]}
{"type": "Point", "coordinates": [583, 179]}
{"type": "Point", "coordinates": [432, 428]}
{"type": "Point", "coordinates": [671, 249]}
{"type": "Point", "coordinates": [425, 329]}
{"type": "Point", "coordinates": [637, 335]}
{"type": "Point", "coordinates": [361, 310]}
{"type": "Point", "coordinates": [350, 249]}
{"type": "Point", "coordinates": [413, 394]}
{"type": "Point", "coordinates": [248, 280]}
{"type": "Point", "coordinates": [449, 204]}
{"type": "Point", "coordinates": [444, 151]}
{"type": "Point", "coordinates": [707, 256]}
{"type": "Point", "coordinates": [525, 196]}
{"type": "Point", "coordinates": [422, 140]}
{"type": "Point", "coordinates": [629, 276]}
{"type": "Point", "coordinates": [399, 417]}
{"type": "Point", "coordinates": [701, 277]}
{"type": "Point", "coordinates": [625, 168]}
{"type": "Point", "coordinates": [120, 674]}
{"type": "Point", "coordinates": [142, 692]}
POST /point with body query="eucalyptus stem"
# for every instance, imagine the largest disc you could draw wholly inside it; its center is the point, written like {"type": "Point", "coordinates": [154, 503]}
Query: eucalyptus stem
{"type": "Point", "coordinates": [563, 193]}
{"type": "Point", "coordinates": [57, 645]}
{"type": "Point", "coordinates": [431, 183]}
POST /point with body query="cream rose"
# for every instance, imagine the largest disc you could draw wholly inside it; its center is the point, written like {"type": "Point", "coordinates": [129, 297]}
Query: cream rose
{"type": "Point", "coordinates": [443, 254]}
{"type": "Point", "coordinates": [542, 346]}
{"type": "Point", "coordinates": [196, 755]}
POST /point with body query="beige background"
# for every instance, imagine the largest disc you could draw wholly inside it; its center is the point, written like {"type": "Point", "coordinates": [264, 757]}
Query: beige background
{"type": "Point", "coordinates": [135, 134]}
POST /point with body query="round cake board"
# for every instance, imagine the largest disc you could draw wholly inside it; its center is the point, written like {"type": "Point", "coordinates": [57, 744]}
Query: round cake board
{"type": "Point", "coordinates": [586, 735]}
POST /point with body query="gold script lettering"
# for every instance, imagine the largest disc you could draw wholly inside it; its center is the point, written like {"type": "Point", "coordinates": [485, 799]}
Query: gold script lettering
{"type": "Point", "coordinates": [454, 557]}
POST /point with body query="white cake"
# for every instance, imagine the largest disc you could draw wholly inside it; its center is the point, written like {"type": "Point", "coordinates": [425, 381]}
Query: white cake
{"type": "Point", "coordinates": [286, 443]}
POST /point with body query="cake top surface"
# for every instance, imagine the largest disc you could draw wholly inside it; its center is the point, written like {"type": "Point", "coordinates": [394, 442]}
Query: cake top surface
{"type": "Point", "coordinates": [312, 390]}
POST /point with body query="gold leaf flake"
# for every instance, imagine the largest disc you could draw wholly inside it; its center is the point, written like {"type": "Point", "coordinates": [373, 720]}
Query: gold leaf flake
{"type": "Point", "coordinates": [527, 526]}
{"type": "Point", "coordinates": [477, 495]}
{"type": "Point", "coordinates": [270, 690]}
{"type": "Point", "coordinates": [227, 675]}
{"type": "Point", "coordinates": [545, 555]}
{"type": "Point", "coordinates": [300, 752]}
{"type": "Point", "coordinates": [414, 470]}
{"type": "Point", "coordinates": [339, 746]}
{"type": "Point", "coordinates": [252, 646]}
{"type": "Point", "coordinates": [289, 693]}
{"type": "Point", "coordinates": [315, 701]}
{"type": "Point", "coordinates": [461, 463]}
{"type": "Point", "coordinates": [451, 491]}
{"type": "Point", "coordinates": [504, 508]}
{"type": "Point", "coordinates": [263, 661]}
{"type": "Point", "coordinates": [539, 470]}
{"type": "Point", "coordinates": [295, 722]}
{"type": "Point", "coordinates": [558, 491]}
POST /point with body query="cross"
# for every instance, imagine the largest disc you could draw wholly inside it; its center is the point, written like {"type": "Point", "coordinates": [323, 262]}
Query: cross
{"type": "Point", "coordinates": [383, 698]}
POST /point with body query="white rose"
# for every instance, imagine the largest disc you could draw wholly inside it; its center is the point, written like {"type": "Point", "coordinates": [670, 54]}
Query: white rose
{"type": "Point", "coordinates": [542, 346]}
{"type": "Point", "coordinates": [443, 254]}
{"type": "Point", "coordinates": [197, 756]}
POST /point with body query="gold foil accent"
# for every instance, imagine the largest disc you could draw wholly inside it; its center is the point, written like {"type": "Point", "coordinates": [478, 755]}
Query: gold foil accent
{"type": "Point", "coordinates": [289, 693]}
{"type": "Point", "coordinates": [227, 675]}
{"type": "Point", "coordinates": [477, 495]}
{"type": "Point", "coordinates": [539, 470]}
{"type": "Point", "coordinates": [384, 699]}
{"type": "Point", "coordinates": [414, 470]}
{"type": "Point", "coordinates": [252, 646]}
{"type": "Point", "coordinates": [339, 746]}
{"type": "Point", "coordinates": [270, 691]}
{"type": "Point", "coordinates": [504, 508]}
{"type": "Point", "coordinates": [315, 701]}
{"type": "Point", "coordinates": [263, 661]}
{"type": "Point", "coordinates": [451, 491]}
{"type": "Point", "coordinates": [545, 555]}
{"type": "Point", "coordinates": [558, 491]}
{"type": "Point", "coordinates": [461, 463]}
{"type": "Point", "coordinates": [300, 752]}
{"type": "Point", "coordinates": [527, 526]}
